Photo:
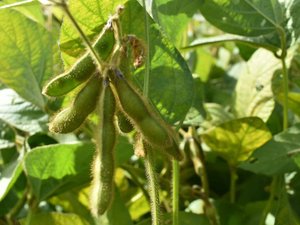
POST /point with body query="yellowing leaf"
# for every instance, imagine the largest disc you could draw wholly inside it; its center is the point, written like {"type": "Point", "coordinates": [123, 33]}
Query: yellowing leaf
{"type": "Point", "coordinates": [237, 139]}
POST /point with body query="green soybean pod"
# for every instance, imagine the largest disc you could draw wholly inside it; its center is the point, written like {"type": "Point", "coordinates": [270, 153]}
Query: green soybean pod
{"type": "Point", "coordinates": [104, 165]}
{"type": "Point", "coordinates": [123, 123]}
{"type": "Point", "coordinates": [83, 68]}
{"type": "Point", "coordinates": [139, 111]}
{"type": "Point", "coordinates": [84, 103]}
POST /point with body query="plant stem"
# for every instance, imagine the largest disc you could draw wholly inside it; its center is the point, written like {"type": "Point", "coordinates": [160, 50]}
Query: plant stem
{"type": "Point", "coordinates": [270, 200]}
{"type": "Point", "coordinates": [233, 178]}
{"type": "Point", "coordinates": [147, 62]}
{"type": "Point", "coordinates": [278, 179]}
{"type": "Point", "coordinates": [153, 186]}
{"type": "Point", "coordinates": [175, 192]}
{"type": "Point", "coordinates": [286, 91]}
{"type": "Point", "coordinates": [149, 158]}
{"type": "Point", "coordinates": [83, 36]}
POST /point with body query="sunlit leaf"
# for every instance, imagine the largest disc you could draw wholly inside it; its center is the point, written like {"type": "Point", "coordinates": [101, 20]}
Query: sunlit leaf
{"type": "Point", "coordinates": [247, 17]}
{"type": "Point", "coordinates": [253, 92]}
{"type": "Point", "coordinates": [276, 156]}
{"type": "Point", "coordinates": [27, 55]}
{"type": "Point", "coordinates": [53, 169]}
{"type": "Point", "coordinates": [20, 113]}
{"type": "Point", "coordinates": [9, 175]}
{"type": "Point", "coordinates": [237, 139]}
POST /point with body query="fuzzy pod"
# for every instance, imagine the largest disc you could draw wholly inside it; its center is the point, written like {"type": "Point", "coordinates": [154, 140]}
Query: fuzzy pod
{"type": "Point", "coordinates": [83, 69]}
{"type": "Point", "coordinates": [104, 165]}
{"type": "Point", "coordinates": [85, 102]}
{"type": "Point", "coordinates": [123, 123]}
{"type": "Point", "coordinates": [142, 115]}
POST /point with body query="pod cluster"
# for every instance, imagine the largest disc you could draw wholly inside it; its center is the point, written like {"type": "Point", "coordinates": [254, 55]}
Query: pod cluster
{"type": "Point", "coordinates": [121, 108]}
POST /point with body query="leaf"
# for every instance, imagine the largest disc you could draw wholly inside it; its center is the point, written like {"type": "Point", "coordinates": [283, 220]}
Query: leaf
{"type": "Point", "coordinates": [71, 203]}
{"type": "Point", "coordinates": [32, 10]}
{"type": "Point", "coordinates": [171, 85]}
{"type": "Point", "coordinates": [276, 156]}
{"type": "Point", "coordinates": [237, 139]}
{"type": "Point", "coordinates": [294, 11]}
{"type": "Point", "coordinates": [247, 17]}
{"type": "Point", "coordinates": [172, 15]}
{"type": "Point", "coordinates": [285, 214]}
{"type": "Point", "coordinates": [55, 218]}
{"type": "Point", "coordinates": [53, 169]}
{"type": "Point", "coordinates": [7, 136]}
{"type": "Point", "coordinates": [184, 219]}
{"type": "Point", "coordinates": [216, 114]}
{"type": "Point", "coordinates": [293, 101]}
{"type": "Point", "coordinates": [252, 41]}
{"type": "Point", "coordinates": [27, 55]}
{"type": "Point", "coordinates": [9, 175]}
{"type": "Point", "coordinates": [21, 114]}
{"type": "Point", "coordinates": [253, 92]}
{"type": "Point", "coordinates": [123, 151]}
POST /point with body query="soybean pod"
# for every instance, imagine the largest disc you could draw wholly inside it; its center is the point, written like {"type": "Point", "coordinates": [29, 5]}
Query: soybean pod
{"type": "Point", "coordinates": [104, 163]}
{"type": "Point", "coordinates": [70, 118]}
{"type": "Point", "coordinates": [123, 123]}
{"type": "Point", "coordinates": [83, 69]}
{"type": "Point", "coordinates": [139, 111]}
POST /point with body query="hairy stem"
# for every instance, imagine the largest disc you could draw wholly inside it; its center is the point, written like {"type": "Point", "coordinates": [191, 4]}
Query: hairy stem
{"type": "Point", "coordinates": [153, 186]}
{"type": "Point", "coordinates": [175, 192]}
{"type": "Point", "coordinates": [149, 161]}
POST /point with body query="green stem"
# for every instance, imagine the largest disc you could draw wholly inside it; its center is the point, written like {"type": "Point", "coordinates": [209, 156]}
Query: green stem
{"type": "Point", "coordinates": [276, 179]}
{"type": "Point", "coordinates": [286, 91]}
{"type": "Point", "coordinates": [147, 62]}
{"type": "Point", "coordinates": [83, 36]}
{"type": "Point", "coordinates": [233, 178]}
{"type": "Point", "coordinates": [175, 192]}
{"type": "Point", "coordinates": [270, 200]}
{"type": "Point", "coordinates": [16, 209]}
{"type": "Point", "coordinates": [149, 159]}
{"type": "Point", "coordinates": [153, 186]}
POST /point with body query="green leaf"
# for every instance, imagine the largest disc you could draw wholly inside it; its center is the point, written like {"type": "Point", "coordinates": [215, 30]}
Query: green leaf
{"type": "Point", "coordinates": [27, 55]}
{"type": "Point", "coordinates": [184, 219]}
{"type": "Point", "coordinates": [53, 169]}
{"type": "Point", "coordinates": [7, 136]}
{"type": "Point", "coordinates": [293, 101]}
{"type": "Point", "coordinates": [9, 175]}
{"type": "Point", "coordinates": [171, 84]}
{"type": "Point", "coordinates": [172, 15]}
{"type": "Point", "coordinates": [247, 17]}
{"type": "Point", "coordinates": [72, 203]}
{"type": "Point", "coordinates": [253, 92]}
{"type": "Point", "coordinates": [32, 10]}
{"type": "Point", "coordinates": [216, 114]}
{"type": "Point", "coordinates": [276, 156]}
{"type": "Point", "coordinates": [55, 218]}
{"type": "Point", "coordinates": [123, 151]}
{"type": "Point", "coordinates": [117, 213]}
{"type": "Point", "coordinates": [294, 11]}
{"type": "Point", "coordinates": [237, 139]}
{"type": "Point", "coordinates": [284, 213]}
{"type": "Point", "coordinates": [21, 114]}
{"type": "Point", "coordinates": [252, 41]}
